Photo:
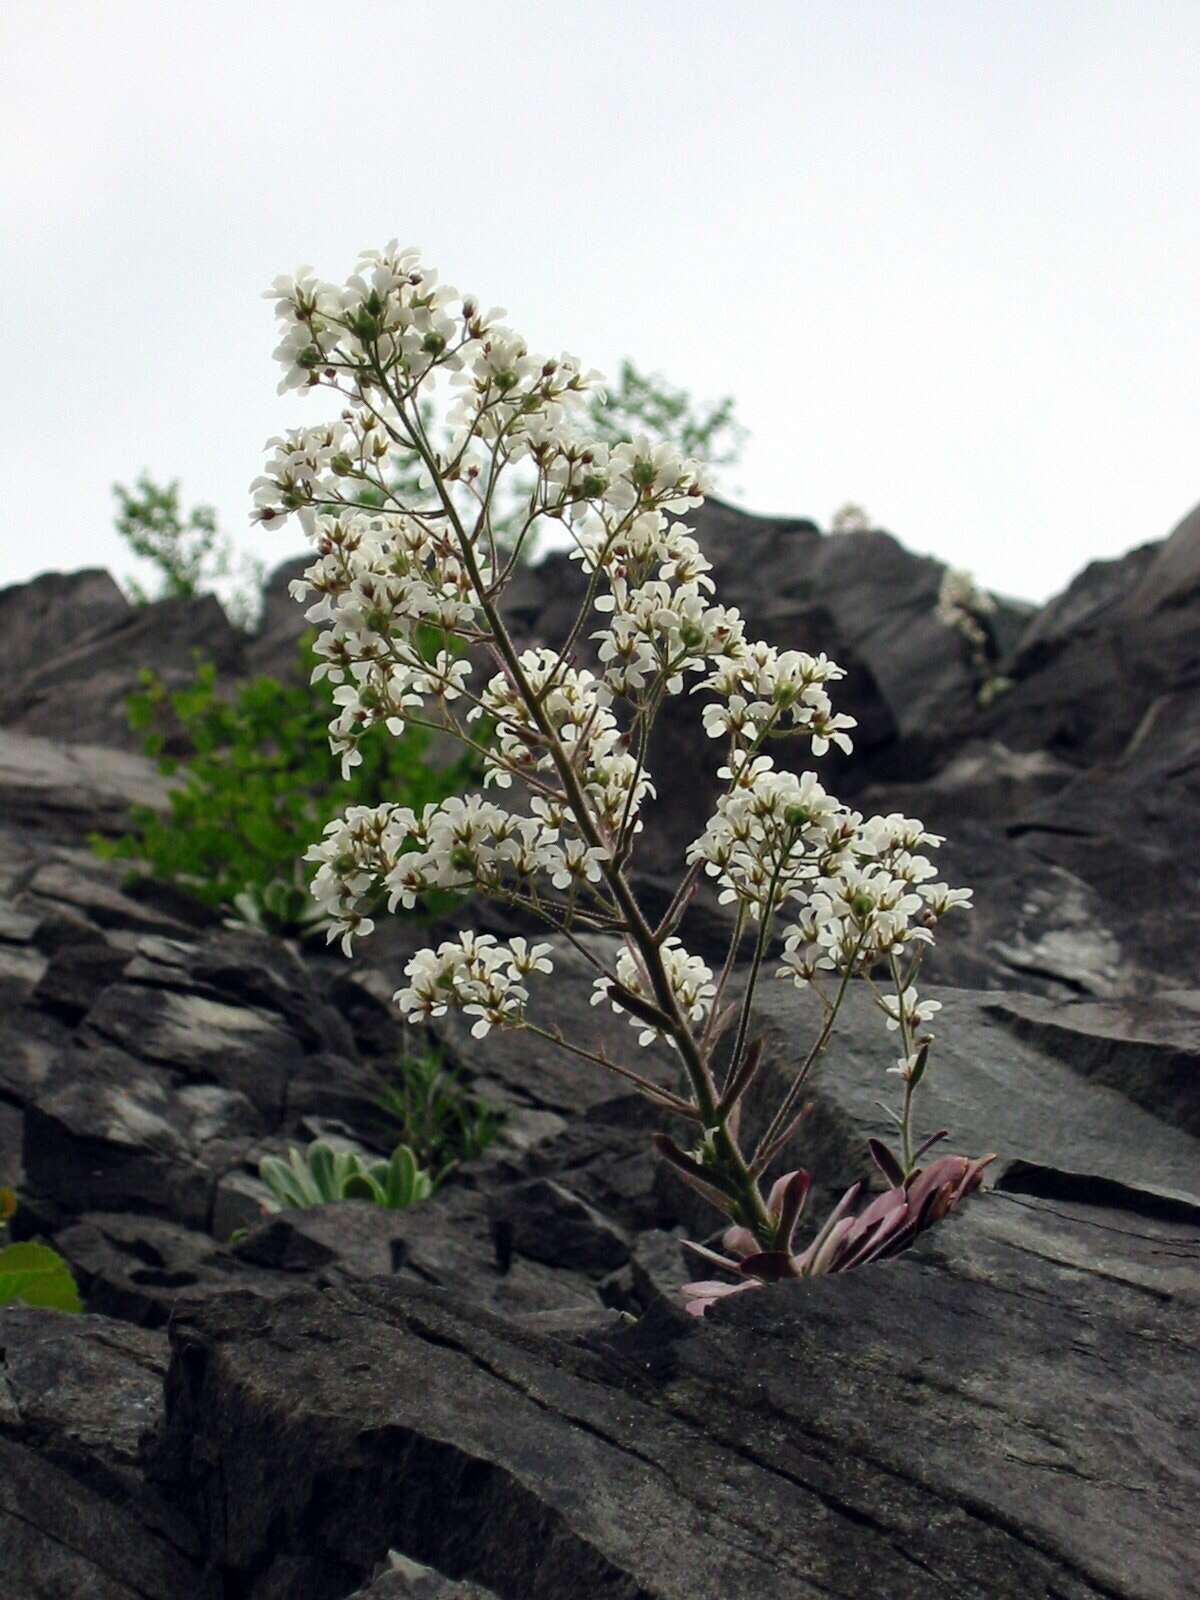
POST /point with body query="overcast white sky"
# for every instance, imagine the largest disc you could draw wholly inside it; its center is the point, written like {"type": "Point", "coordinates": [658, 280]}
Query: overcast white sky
{"type": "Point", "coordinates": [943, 254]}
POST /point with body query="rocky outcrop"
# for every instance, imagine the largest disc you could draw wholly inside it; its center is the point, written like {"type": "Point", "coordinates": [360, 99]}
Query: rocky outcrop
{"type": "Point", "coordinates": [496, 1395]}
{"type": "Point", "coordinates": [73, 682]}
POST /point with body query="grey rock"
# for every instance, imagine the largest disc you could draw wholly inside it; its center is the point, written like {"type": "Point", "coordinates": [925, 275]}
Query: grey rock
{"type": "Point", "coordinates": [87, 682]}
{"type": "Point", "coordinates": [106, 1132]}
{"type": "Point", "coordinates": [544, 1221]}
{"type": "Point", "coordinates": [49, 613]}
{"type": "Point", "coordinates": [78, 885]}
{"type": "Point", "coordinates": [57, 790]}
{"type": "Point", "coordinates": [147, 1270]}
{"type": "Point", "coordinates": [77, 1394]}
{"type": "Point", "coordinates": [994, 1090]}
{"type": "Point", "coordinates": [1094, 596]}
{"type": "Point", "coordinates": [957, 1415]}
{"type": "Point", "coordinates": [1146, 1048]}
{"type": "Point", "coordinates": [1173, 577]}
{"type": "Point", "coordinates": [76, 975]}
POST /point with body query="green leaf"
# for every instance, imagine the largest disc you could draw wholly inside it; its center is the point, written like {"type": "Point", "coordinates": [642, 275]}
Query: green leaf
{"type": "Point", "coordinates": [401, 1178]}
{"type": "Point", "coordinates": [35, 1275]}
{"type": "Point", "coordinates": [362, 1186]}
{"type": "Point", "coordinates": [321, 1166]}
{"type": "Point", "coordinates": [281, 1180]}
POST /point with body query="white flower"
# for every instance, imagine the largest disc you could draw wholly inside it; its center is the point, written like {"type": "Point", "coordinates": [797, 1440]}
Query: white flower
{"type": "Point", "coordinates": [527, 959]}
{"type": "Point", "coordinates": [909, 1007]}
{"type": "Point", "coordinates": [905, 1065]}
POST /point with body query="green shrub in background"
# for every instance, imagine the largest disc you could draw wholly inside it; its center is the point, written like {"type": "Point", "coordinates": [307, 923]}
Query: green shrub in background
{"type": "Point", "coordinates": [436, 1115]}
{"type": "Point", "coordinates": [646, 403]}
{"type": "Point", "coordinates": [33, 1274]}
{"type": "Point", "coordinates": [188, 551]}
{"type": "Point", "coordinates": [257, 785]}
{"type": "Point", "coordinates": [321, 1175]}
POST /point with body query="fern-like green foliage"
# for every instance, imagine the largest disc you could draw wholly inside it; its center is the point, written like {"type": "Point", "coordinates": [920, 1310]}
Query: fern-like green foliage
{"type": "Point", "coordinates": [33, 1274]}
{"type": "Point", "coordinates": [257, 787]}
{"type": "Point", "coordinates": [321, 1175]}
{"type": "Point", "coordinates": [435, 1115]}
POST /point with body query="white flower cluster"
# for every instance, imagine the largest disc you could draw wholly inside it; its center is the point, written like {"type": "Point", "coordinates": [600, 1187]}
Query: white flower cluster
{"type": "Point", "coordinates": [456, 845]}
{"type": "Point", "coordinates": [776, 692]}
{"type": "Point", "coordinates": [400, 593]}
{"type": "Point", "coordinates": [689, 979]}
{"type": "Point", "coordinates": [476, 975]}
{"type": "Point", "coordinates": [862, 891]}
{"type": "Point", "coordinates": [961, 603]}
{"type": "Point", "coordinates": [577, 708]}
{"type": "Point", "coordinates": [870, 900]}
{"type": "Point", "coordinates": [380, 578]}
{"type": "Point", "coordinates": [389, 315]}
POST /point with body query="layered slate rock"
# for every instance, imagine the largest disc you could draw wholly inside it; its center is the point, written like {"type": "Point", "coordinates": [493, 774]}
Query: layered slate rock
{"type": "Point", "coordinates": [58, 791]}
{"type": "Point", "coordinates": [497, 1393]}
{"type": "Point", "coordinates": [51, 611]}
{"type": "Point", "coordinates": [946, 1423]}
{"type": "Point", "coordinates": [1147, 1049]}
{"type": "Point", "coordinates": [77, 1396]}
{"type": "Point", "coordinates": [85, 682]}
{"type": "Point", "coordinates": [1015, 1091]}
{"type": "Point", "coordinates": [1172, 578]}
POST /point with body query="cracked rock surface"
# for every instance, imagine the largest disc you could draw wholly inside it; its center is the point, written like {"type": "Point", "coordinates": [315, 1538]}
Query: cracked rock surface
{"type": "Point", "coordinates": [497, 1395]}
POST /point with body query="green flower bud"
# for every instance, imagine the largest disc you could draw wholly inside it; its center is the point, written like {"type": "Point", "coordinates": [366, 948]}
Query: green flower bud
{"type": "Point", "coordinates": [310, 358]}
{"type": "Point", "coordinates": [797, 816]}
{"type": "Point", "coordinates": [862, 905]}
{"type": "Point", "coordinates": [593, 485]}
{"type": "Point", "coordinates": [433, 344]}
{"type": "Point", "coordinates": [643, 474]}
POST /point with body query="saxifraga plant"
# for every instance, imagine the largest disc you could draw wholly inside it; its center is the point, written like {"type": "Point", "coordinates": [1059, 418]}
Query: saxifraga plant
{"type": "Point", "coordinates": [857, 894]}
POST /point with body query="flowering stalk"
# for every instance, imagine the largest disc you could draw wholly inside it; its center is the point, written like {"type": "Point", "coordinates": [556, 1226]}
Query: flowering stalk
{"type": "Point", "coordinates": [388, 580]}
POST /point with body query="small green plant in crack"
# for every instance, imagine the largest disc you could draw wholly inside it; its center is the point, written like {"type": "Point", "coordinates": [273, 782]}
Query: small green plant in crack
{"type": "Point", "coordinates": [321, 1175]}
{"type": "Point", "coordinates": [437, 1116]}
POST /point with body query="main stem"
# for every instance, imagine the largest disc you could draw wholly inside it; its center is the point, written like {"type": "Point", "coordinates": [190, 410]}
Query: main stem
{"type": "Point", "coordinates": [754, 1211]}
